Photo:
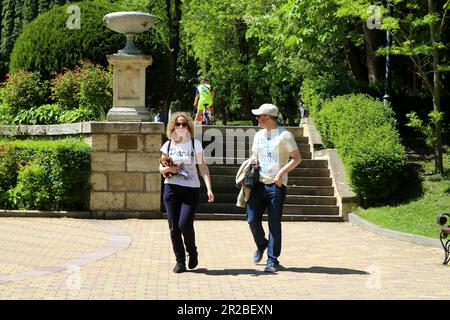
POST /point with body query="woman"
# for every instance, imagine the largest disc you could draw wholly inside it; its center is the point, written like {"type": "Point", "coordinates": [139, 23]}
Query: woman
{"type": "Point", "coordinates": [181, 190]}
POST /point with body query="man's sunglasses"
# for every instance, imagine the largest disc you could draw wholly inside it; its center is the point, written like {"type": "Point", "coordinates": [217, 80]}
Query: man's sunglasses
{"type": "Point", "coordinates": [181, 124]}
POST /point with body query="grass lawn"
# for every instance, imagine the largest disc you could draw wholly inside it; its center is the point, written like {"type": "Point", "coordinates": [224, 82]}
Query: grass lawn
{"type": "Point", "coordinates": [417, 216]}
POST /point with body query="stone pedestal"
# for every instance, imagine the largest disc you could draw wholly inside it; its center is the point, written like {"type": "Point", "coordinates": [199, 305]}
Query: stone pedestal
{"type": "Point", "coordinates": [129, 87]}
{"type": "Point", "coordinates": [125, 167]}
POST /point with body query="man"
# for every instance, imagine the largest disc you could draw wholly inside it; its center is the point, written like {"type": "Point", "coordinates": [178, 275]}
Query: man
{"type": "Point", "coordinates": [272, 146]}
{"type": "Point", "coordinates": [204, 102]}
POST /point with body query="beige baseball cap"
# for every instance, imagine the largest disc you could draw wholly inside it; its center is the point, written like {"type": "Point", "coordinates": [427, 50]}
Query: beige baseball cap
{"type": "Point", "coordinates": [267, 109]}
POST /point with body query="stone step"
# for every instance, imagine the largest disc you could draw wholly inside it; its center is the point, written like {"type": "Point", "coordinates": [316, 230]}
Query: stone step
{"type": "Point", "coordinates": [290, 199]}
{"type": "Point", "coordinates": [285, 217]}
{"type": "Point", "coordinates": [231, 208]}
{"type": "Point", "coordinates": [218, 155]}
{"type": "Point", "coordinates": [236, 162]}
{"type": "Point", "coordinates": [303, 147]}
{"type": "Point", "coordinates": [291, 190]}
{"type": "Point", "coordinates": [297, 172]}
{"type": "Point", "coordinates": [209, 130]}
{"type": "Point", "coordinates": [230, 180]}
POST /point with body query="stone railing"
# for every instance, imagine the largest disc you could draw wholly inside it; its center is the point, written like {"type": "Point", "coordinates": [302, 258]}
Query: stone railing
{"type": "Point", "coordinates": [346, 198]}
{"type": "Point", "coordinates": [125, 159]}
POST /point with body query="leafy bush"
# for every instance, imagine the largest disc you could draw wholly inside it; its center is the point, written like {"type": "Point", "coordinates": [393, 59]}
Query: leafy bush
{"type": "Point", "coordinates": [8, 172]}
{"type": "Point", "coordinates": [24, 90]}
{"type": "Point", "coordinates": [32, 190]}
{"type": "Point", "coordinates": [326, 86]}
{"type": "Point", "coordinates": [6, 116]}
{"type": "Point", "coordinates": [45, 114]}
{"type": "Point", "coordinates": [364, 131]}
{"type": "Point", "coordinates": [76, 115]}
{"type": "Point", "coordinates": [46, 175]}
{"type": "Point", "coordinates": [47, 44]}
{"type": "Point", "coordinates": [87, 86]}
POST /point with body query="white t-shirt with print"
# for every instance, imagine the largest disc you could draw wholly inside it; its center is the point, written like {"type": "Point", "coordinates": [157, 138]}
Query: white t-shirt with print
{"type": "Point", "coordinates": [273, 148]}
{"type": "Point", "coordinates": [182, 153]}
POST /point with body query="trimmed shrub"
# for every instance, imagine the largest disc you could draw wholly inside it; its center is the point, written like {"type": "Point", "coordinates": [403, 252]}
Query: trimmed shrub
{"type": "Point", "coordinates": [8, 172]}
{"type": "Point", "coordinates": [45, 175]}
{"type": "Point", "coordinates": [326, 86]}
{"type": "Point", "coordinates": [32, 191]}
{"type": "Point", "coordinates": [364, 131]}
{"type": "Point", "coordinates": [47, 44]}
{"type": "Point", "coordinates": [24, 90]}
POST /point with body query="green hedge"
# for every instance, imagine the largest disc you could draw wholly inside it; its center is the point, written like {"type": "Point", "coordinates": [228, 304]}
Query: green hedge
{"type": "Point", "coordinates": [47, 45]}
{"type": "Point", "coordinates": [364, 132]}
{"type": "Point", "coordinates": [44, 175]}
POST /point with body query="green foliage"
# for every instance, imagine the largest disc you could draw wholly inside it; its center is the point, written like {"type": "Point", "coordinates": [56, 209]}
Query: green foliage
{"type": "Point", "coordinates": [95, 91]}
{"type": "Point", "coordinates": [24, 90]}
{"type": "Point", "coordinates": [428, 130]}
{"type": "Point", "coordinates": [45, 114]}
{"type": "Point", "coordinates": [14, 15]}
{"type": "Point", "coordinates": [327, 85]}
{"type": "Point", "coordinates": [46, 44]}
{"type": "Point", "coordinates": [363, 130]}
{"type": "Point", "coordinates": [87, 86]}
{"type": "Point", "coordinates": [6, 116]}
{"type": "Point", "coordinates": [32, 189]}
{"type": "Point", "coordinates": [8, 172]}
{"type": "Point", "coordinates": [76, 115]}
{"type": "Point", "coordinates": [45, 175]}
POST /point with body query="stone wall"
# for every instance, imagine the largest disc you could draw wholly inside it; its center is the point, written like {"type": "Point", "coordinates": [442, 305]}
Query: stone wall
{"type": "Point", "coordinates": [125, 160]}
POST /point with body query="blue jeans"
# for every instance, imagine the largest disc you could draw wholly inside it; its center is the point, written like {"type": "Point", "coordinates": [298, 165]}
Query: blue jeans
{"type": "Point", "coordinates": [272, 197]}
{"type": "Point", "coordinates": [181, 203]}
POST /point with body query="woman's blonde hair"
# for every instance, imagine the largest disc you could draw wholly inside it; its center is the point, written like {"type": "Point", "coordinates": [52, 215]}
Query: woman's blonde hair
{"type": "Point", "coordinates": [173, 119]}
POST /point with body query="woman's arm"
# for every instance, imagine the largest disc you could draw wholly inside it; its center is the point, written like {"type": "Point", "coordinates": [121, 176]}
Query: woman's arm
{"type": "Point", "coordinates": [204, 172]}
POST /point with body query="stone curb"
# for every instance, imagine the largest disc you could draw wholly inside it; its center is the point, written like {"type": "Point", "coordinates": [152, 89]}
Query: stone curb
{"type": "Point", "coordinates": [402, 236]}
{"type": "Point", "coordinates": [108, 215]}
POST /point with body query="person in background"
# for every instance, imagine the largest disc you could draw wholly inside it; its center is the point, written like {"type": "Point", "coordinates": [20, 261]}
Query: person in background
{"type": "Point", "coordinates": [204, 102]}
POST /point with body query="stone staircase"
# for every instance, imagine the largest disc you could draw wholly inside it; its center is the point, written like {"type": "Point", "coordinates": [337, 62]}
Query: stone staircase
{"type": "Point", "coordinates": [310, 195]}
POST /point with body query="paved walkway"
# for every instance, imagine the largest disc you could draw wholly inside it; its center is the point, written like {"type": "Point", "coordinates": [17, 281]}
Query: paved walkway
{"type": "Point", "coordinates": [133, 259]}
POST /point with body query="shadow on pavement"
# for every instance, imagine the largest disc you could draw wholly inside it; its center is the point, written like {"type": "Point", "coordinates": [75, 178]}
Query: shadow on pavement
{"type": "Point", "coordinates": [315, 269]}
{"type": "Point", "coordinates": [231, 272]}
{"type": "Point", "coordinates": [326, 270]}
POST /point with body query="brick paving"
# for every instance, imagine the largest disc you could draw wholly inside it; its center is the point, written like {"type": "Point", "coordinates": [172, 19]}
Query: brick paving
{"type": "Point", "coordinates": [43, 258]}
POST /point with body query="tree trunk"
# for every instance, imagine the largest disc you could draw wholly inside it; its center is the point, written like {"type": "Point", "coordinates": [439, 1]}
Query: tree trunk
{"type": "Point", "coordinates": [353, 55]}
{"type": "Point", "coordinates": [438, 164]}
{"type": "Point", "coordinates": [246, 98]}
{"type": "Point", "coordinates": [375, 64]}
{"type": "Point", "coordinates": [174, 18]}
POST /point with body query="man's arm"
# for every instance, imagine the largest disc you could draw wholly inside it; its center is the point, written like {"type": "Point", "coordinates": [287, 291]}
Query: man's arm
{"type": "Point", "coordinates": [296, 159]}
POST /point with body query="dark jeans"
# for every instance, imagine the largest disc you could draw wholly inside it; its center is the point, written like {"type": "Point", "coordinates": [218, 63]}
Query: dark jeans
{"type": "Point", "coordinates": [272, 197]}
{"type": "Point", "coordinates": [180, 204]}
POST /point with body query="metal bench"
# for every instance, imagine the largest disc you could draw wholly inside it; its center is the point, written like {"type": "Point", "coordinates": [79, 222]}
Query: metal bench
{"type": "Point", "coordinates": [445, 231]}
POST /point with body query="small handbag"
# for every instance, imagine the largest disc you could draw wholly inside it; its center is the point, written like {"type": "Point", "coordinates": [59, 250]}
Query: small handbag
{"type": "Point", "coordinates": [251, 178]}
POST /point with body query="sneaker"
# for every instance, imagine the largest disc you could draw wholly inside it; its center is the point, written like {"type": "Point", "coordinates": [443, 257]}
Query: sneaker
{"type": "Point", "coordinates": [193, 260]}
{"type": "Point", "coordinates": [179, 267]}
{"type": "Point", "coordinates": [271, 267]}
{"type": "Point", "coordinates": [257, 256]}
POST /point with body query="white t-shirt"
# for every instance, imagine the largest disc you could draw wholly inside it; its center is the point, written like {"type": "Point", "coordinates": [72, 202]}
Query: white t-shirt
{"type": "Point", "coordinates": [182, 154]}
{"type": "Point", "coordinates": [273, 152]}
